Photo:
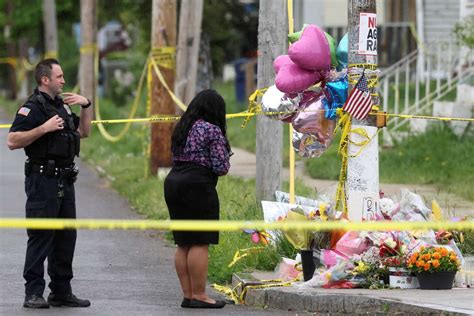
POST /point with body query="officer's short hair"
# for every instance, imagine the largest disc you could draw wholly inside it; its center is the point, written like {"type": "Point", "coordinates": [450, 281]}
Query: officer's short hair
{"type": "Point", "coordinates": [44, 68]}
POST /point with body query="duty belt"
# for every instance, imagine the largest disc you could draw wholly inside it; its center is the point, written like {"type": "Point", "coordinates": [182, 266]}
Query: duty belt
{"type": "Point", "coordinates": [50, 170]}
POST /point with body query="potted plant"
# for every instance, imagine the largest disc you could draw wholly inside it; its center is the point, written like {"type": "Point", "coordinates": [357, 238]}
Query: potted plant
{"type": "Point", "coordinates": [435, 267]}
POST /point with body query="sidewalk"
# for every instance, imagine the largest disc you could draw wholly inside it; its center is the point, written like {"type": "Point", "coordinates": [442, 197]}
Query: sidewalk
{"type": "Point", "coordinates": [458, 301]}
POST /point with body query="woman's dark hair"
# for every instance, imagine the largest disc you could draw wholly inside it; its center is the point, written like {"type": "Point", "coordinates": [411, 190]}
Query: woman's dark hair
{"type": "Point", "coordinates": [207, 105]}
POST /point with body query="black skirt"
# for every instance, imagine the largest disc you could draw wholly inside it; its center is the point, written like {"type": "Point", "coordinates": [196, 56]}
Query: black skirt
{"type": "Point", "coordinates": [190, 193]}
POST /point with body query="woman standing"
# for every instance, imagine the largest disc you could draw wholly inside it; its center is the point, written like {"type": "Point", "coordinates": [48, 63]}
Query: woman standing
{"type": "Point", "coordinates": [201, 153]}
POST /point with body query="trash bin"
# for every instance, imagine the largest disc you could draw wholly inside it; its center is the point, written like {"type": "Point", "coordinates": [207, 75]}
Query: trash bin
{"type": "Point", "coordinates": [240, 79]}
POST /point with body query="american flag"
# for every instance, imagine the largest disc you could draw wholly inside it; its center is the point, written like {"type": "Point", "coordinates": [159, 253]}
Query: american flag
{"type": "Point", "coordinates": [359, 103]}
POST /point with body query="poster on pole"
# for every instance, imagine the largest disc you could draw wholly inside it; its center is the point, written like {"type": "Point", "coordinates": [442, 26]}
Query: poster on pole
{"type": "Point", "coordinates": [367, 34]}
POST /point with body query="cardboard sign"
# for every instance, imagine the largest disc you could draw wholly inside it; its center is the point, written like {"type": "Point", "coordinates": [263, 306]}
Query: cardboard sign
{"type": "Point", "coordinates": [367, 34]}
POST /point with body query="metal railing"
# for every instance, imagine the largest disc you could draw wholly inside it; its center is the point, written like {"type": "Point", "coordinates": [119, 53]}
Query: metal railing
{"type": "Point", "coordinates": [411, 85]}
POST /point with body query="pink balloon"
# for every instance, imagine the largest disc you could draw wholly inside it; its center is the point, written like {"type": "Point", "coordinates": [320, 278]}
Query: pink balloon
{"type": "Point", "coordinates": [293, 79]}
{"type": "Point", "coordinates": [312, 50]}
{"type": "Point", "coordinates": [280, 61]}
{"type": "Point", "coordinates": [312, 120]}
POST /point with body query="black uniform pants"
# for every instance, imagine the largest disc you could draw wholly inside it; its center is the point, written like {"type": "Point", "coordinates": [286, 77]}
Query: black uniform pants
{"type": "Point", "coordinates": [45, 199]}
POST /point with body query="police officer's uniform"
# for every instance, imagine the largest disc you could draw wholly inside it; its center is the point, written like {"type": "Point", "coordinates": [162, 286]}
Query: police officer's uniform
{"type": "Point", "coordinates": [49, 185]}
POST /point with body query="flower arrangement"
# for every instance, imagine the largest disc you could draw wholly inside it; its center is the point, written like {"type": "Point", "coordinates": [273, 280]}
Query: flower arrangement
{"type": "Point", "coordinates": [433, 259]}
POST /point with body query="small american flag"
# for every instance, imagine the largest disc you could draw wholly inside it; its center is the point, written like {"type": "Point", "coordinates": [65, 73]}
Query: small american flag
{"type": "Point", "coordinates": [359, 103]}
{"type": "Point", "coordinates": [24, 111]}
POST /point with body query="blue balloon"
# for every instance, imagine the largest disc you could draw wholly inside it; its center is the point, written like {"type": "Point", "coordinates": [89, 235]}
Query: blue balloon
{"type": "Point", "coordinates": [341, 51]}
{"type": "Point", "coordinates": [336, 96]}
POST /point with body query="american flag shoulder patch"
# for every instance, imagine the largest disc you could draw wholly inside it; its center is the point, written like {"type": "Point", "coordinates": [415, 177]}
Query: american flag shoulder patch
{"type": "Point", "coordinates": [24, 111]}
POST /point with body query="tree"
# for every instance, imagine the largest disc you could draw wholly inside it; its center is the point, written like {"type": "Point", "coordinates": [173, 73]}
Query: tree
{"type": "Point", "coordinates": [272, 42]}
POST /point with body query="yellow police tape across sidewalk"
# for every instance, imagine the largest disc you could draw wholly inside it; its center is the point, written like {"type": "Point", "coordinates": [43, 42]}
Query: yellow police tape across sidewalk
{"type": "Point", "coordinates": [225, 225]}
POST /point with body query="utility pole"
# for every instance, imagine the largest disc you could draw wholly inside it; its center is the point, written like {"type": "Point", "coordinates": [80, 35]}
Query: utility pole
{"type": "Point", "coordinates": [163, 34]}
{"type": "Point", "coordinates": [272, 42]}
{"type": "Point", "coordinates": [189, 37]}
{"type": "Point", "coordinates": [50, 29]}
{"type": "Point", "coordinates": [11, 49]}
{"type": "Point", "coordinates": [362, 183]}
{"type": "Point", "coordinates": [87, 78]}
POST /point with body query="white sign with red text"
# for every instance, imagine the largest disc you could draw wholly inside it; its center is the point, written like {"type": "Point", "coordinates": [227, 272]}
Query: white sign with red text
{"type": "Point", "coordinates": [367, 34]}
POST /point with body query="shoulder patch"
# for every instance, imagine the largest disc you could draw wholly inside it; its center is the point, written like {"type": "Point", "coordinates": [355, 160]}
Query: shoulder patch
{"type": "Point", "coordinates": [24, 111]}
{"type": "Point", "coordinates": [68, 109]}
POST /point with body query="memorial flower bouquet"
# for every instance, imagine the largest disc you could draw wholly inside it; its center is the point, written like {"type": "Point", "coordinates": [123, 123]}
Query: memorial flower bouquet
{"type": "Point", "coordinates": [432, 260]}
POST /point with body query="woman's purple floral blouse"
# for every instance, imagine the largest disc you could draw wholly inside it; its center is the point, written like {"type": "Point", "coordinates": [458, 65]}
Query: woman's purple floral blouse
{"type": "Point", "coordinates": [206, 146]}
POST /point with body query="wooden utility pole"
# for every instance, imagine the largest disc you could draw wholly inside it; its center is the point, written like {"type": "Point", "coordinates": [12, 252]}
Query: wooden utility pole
{"type": "Point", "coordinates": [272, 42]}
{"type": "Point", "coordinates": [163, 34]}
{"type": "Point", "coordinates": [87, 74]}
{"type": "Point", "coordinates": [362, 184]}
{"type": "Point", "coordinates": [11, 49]}
{"type": "Point", "coordinates": [50, 29]}
{"type": "Point", "coordinates": [24, 89]}
{"type": "Point", "coordinates": [189, 36]}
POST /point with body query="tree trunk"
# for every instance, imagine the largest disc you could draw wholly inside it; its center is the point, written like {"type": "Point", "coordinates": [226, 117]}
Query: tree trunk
{"type": "Point", "coordinates": [163, 33]}
{"type": "Point", "coordinates": [11, 49]}
{"type": "Point", "coordinates": [50, 29]}
{"type": "Point", "coordinates": [88, 49]}
{"type": "Point", "coordinates": [272, 42]}
{"type": "Point", "coordinates": [190, 19]}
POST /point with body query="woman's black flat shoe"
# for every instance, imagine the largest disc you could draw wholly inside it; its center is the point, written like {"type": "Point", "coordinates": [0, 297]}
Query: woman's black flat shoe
{"type": "Point", "coordinates": [185, 302]}
{"type": "Point", "coordinates": [202, 304]}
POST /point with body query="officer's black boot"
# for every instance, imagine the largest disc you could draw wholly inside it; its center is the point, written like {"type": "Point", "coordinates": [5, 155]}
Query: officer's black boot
{"type": "Point", "coordinates": [35, 301]}
{"type": "Point", "coordinates": [69, 300]}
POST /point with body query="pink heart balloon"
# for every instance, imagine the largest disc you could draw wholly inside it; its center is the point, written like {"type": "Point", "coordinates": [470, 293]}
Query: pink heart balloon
{"type": "Point", "coordinates": [312, 50]}
{"type": "Point", "coordinates": [280, 61]}
{"type": "Point", "coordinates": [293, 79]}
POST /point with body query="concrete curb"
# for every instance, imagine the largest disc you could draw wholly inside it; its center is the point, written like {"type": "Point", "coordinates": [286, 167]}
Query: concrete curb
{"type": "Point", "coordinates": [354, 301]}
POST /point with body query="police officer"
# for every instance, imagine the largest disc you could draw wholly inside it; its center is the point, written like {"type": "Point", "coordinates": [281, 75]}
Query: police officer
{"type": "Point", "coordinates": [50, 133]}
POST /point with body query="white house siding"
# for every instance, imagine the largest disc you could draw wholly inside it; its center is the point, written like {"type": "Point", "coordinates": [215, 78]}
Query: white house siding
{"type": "Point", "coordinates": [439, 19]}
{"type": "Point", "coordinates": [327, 13]}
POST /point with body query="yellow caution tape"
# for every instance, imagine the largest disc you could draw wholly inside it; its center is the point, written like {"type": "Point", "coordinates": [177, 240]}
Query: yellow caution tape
{"type": "Point", "coordinates": [88, 48]}
{"type": "Point", "coordinates": [133, 110]}
{"type": "Point", "coordinates": [210, 225]}
{"type": "Point", "coordinates": [51, 54]}
{"type": "Point", "coordinates": [242, 253]}
{"type": "Point", "coordinates": [12, 61]}
{"type": "Point", "coordinates": [425, 117]}
{"type": "Point", "coordinates": [227, 291]}
{"type": "Point", "coordinates": [253, 105]}
{"type": "Point", "coordinates": [164, 56]}
{"type": "Point", "coordinates": [176, 100]}
{"type": "Point", "coordinates": [167, 118]}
